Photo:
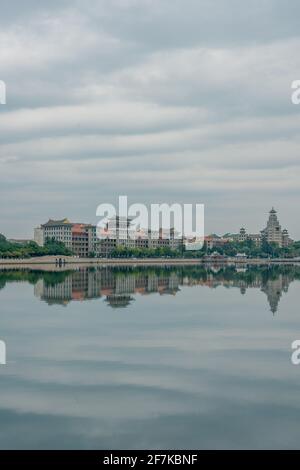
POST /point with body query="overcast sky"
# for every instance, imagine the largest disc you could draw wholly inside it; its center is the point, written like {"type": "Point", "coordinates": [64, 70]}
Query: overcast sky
{"type": "Point", "coordinates": [161, 100]}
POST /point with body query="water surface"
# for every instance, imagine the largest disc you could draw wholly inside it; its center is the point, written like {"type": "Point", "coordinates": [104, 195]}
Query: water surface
{"type": "Point", "coordinates": [151, 358]}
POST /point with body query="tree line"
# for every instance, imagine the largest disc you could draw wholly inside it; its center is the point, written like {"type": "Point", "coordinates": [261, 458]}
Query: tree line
{"type": "Point", "coordinates": [30, 249]}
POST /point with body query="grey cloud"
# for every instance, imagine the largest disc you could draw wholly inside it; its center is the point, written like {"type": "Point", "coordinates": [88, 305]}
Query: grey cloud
{"type": "Point", "coordinates": [162, 100]}
{"type": "Point", "coordinates": [163, 24]}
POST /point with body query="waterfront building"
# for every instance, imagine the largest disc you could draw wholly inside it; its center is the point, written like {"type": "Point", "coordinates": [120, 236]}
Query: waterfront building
{"type": "Point", "coordinates": [105, 247]}
{"type": "Point", "coordinates": [78, 237]}
{"type": "Point", "coordinates": [213, 241]}
{"type": "Point", "coordinates": [286, 240]}
{"type": "Point", "coordinates": [243, 236]}
{"type": "Point", "coordinates": [120, 232]}
{"type": "Point", "coordinates": [58, 230]}
{"type": "Point", "coordinates": [86, 239]}
{"type": "Point", "coordinates": [83, 239]}
{"type": "Point", "coordinates": [255, 237]}
{"type": "Point", "coordinates": [164, 238]}
{"type": "Point", "coordinates": [273, 233]}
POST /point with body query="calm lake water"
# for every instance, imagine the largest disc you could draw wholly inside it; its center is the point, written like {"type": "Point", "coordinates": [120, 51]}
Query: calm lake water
{"type": "Point", "coordinates": [194, 358]}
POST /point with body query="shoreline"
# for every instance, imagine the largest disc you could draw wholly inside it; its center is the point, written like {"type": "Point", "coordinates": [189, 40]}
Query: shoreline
{"type": "Point", "coordinates": [90, 262]}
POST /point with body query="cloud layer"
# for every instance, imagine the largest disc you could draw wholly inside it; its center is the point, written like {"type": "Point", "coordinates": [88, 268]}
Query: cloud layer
{"type": "Point", "coordinates": [163, 101]}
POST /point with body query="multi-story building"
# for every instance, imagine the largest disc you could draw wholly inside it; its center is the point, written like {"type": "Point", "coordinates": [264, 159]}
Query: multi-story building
{"type": "Point", "coordinates": [271, 234]}
{"type": "Point", "coordinates": [105, 247]}
{"type": "Point", "coordinates": [81, 239]}
{"type": "Point", "coordinates": [213, 241]}
{"type": "Point", "coordinates": [255, 237]}
{"type": "Point", "coordinates": [243, 236]}
{"type": "Point", "coordinates": [59, 230]}
{"type": "Point", "coordinates": [85, 239]}
{"type": "Point", "coordinates": [286, 240]}
{"type": "Point", "coordinates": [120, 232]}
{"type": "Point", "coordinates": [164, 239]}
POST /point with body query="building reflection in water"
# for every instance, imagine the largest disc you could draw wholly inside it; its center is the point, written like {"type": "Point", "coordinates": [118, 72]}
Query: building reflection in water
{"type": "Point", "coordinates": [119, 286]}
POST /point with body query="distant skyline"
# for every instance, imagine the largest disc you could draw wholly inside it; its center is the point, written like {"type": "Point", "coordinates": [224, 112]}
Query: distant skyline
{"type": "Point", "coordinates": [229, 231]}
{"type": "Point", "coordinates": [165, 101]}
